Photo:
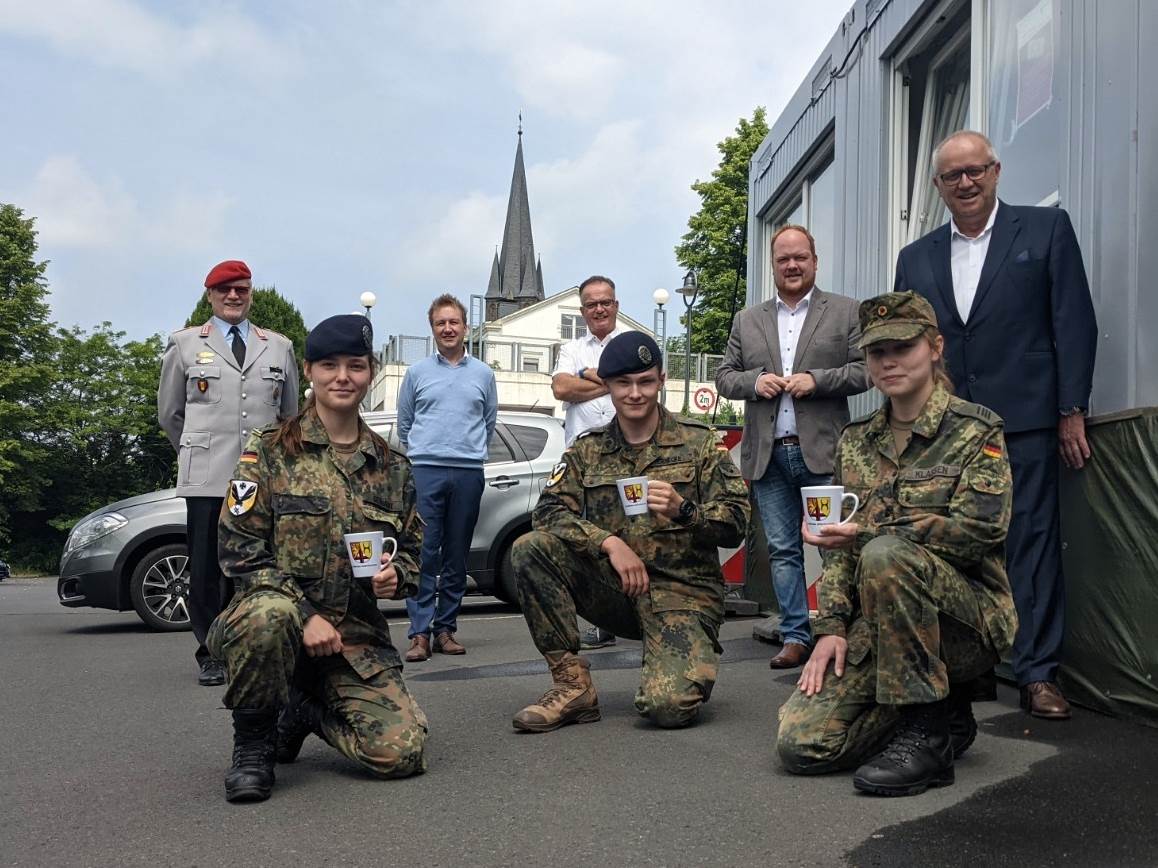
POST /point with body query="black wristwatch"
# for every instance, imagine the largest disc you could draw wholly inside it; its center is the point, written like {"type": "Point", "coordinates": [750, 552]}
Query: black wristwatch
{"type": "Point", "coordinates": [687, 513]}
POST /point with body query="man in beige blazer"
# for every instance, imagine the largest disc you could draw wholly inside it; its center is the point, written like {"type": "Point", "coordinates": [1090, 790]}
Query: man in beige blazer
{"type": "Point", "coordinates": [794, 360]}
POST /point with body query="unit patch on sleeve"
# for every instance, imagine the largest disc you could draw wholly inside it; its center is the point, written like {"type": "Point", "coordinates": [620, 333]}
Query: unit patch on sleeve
{"type": "Point", "coordinates": [557, 473]}
{"type": "Point", "coordinates": [242, 494]}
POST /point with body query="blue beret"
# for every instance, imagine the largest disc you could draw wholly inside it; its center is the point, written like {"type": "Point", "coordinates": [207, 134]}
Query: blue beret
{"type": "Point", "coordinates": [629, 353]}
{"type": "Point", "coordinates": [348, 334]}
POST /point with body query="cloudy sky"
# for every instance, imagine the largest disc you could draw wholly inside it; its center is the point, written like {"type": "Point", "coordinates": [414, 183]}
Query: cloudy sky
{"type": "Point", "coordinates": [345, 146]}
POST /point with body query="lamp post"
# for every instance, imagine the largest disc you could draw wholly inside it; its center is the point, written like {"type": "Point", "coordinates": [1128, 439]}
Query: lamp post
{"type": "Point", "coordinates": [368, 300]}
{"type": "Point", "coordinates": [689, 291]}
{"type": "Point", "coordinates": [659, 326]}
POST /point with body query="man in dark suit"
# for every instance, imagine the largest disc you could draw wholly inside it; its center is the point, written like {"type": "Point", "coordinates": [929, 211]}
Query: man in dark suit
{"type": "Point", "coordinates": [1010, 292]}
{"type": "Point", "coordinates": [794, 360]}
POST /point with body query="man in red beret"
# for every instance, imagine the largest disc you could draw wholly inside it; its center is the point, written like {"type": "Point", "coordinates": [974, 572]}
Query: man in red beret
{"type": "Point", "coordinates": [219, 382]}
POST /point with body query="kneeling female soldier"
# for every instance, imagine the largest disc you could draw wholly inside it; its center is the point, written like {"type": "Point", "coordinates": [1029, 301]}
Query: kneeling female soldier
{"type": "Point", "coordinates": [914, 600]}
{"type": "Point", "coordinates": [303, 638]}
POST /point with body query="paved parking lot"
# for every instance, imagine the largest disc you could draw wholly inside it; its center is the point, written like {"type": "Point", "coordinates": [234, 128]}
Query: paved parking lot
{"type": "Point", "coordinates": [114, 756]}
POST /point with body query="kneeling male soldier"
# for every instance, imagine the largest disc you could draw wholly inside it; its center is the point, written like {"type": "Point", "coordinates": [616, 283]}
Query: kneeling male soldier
{"type": "Point", "coordinates": [655, 576]}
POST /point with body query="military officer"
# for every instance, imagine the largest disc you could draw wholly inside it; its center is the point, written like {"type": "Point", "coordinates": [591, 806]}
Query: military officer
{"type": "Point", "coordinates": [654, 576]}
{"type": "Point", "coordinates": [303, 637]}
{"type": "Point", "coordinates": [914, 600]}
{"type": "Point", "coordinates": [219, 382]}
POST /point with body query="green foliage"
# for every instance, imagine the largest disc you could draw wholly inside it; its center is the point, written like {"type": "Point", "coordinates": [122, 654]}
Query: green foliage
{"type": "Point", "coordinates": [78, 413]}
{"type": "Point", "coordinates": [714, 243]}
{"type": "Point", "coordinates": [26, 369]}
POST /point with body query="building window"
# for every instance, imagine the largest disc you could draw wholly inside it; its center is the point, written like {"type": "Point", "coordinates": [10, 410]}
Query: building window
{"type": "Point", "coordinates": [930, 100]}
{"type": "Point", "coordinates": [531, 363]}
{"type": "Point", "coordinates": [1025, 120]}
{"type": "Point", "coordinates": [572, 326]}
{"type": "Point", "coordinates": [811, 204]}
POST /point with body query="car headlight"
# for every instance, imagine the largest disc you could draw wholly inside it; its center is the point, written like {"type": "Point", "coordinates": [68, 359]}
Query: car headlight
{"type": "Point", "coordinates": [92, 529]}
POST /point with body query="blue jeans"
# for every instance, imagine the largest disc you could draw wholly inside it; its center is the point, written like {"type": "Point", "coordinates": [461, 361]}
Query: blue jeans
{"type": "Point", "coordinates": [448, 500]}
{"type": "Point", "coordinates": [778, 498]}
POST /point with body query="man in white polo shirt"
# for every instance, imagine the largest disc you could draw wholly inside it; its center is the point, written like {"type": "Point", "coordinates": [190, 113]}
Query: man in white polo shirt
{"type": "Point", "coordinates": [576, 383]}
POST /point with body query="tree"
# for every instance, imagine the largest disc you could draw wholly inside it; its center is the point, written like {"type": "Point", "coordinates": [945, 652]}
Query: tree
{"type": "Point", "coordinates": [26, 369]}
{"type": "Point", "coordinates": [102, 437]}
{"type": "Point", "coordinates": [270, 310]}
{"type": "Point", "coordinates": [714, 244]}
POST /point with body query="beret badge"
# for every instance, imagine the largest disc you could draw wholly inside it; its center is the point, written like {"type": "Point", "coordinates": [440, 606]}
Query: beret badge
{"type": "Point", "coordinates": [645, 355]}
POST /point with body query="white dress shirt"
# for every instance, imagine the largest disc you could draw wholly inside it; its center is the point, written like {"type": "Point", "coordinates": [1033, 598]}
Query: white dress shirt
{"type": "Point", "coordinates": [789, 322]}
{"type": "Point", "coordinates": [584, 352]}
{"type": "Point", "coordinates": [966, 257]}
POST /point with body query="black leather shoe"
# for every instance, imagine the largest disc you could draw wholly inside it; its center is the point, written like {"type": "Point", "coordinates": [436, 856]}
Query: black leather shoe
{"type": "Point", "coordinates": [298, 720]}
{"type": "Point", "coordinates": [212, 673]}
{"type": "Point", "coordinates": [251, 777]}
{"type": "Point", "coordinates": [919, 756]}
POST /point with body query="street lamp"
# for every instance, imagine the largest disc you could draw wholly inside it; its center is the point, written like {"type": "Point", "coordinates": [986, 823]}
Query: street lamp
{"type": "Point", "coordinates": [368, 300]}
{"type": "Point", "coordinates": [659, 327]}
{"type": "Point", "coordinates": [689, 291]}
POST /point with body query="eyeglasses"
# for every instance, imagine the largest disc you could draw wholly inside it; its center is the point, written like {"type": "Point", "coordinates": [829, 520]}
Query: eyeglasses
{"type": "Point", "coordinates": [242, 291]}
{"type": "Point", "coordinates": [975, 173]}
{"type": "Point", "coordinates": [607, 303]}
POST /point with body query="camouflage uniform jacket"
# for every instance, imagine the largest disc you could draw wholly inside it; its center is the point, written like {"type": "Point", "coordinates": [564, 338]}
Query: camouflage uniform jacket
{"type": "Point", "coordinates": [289, 539]}
{"type": "Point", "coordinates": [950, 492]}
{"type": "Point", "coordinates": [581, 506]}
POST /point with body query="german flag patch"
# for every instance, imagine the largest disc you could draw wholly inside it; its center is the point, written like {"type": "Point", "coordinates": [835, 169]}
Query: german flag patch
{"type": "Point", "coordinates": [248, 457]}
{"type": "Point", "coordinates": [991, 450]}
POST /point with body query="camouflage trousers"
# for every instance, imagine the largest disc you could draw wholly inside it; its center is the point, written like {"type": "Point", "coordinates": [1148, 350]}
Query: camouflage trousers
{"type": "Point", "coordinates": [920, 629]}
{"type": "Point", "coordinates": [374, 721]}
{"type": "Point", "coordinates": [681, 651]}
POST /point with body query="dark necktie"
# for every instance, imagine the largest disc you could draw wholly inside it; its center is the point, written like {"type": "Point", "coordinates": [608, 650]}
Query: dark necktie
{"type": "Point", "coordinates": [238, 346]}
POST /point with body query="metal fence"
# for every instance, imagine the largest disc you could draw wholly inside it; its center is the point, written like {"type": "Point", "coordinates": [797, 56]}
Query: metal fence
{"type": "Point", "coordinates": [527, 357]}
{"type": "Point", "coordinates": [703, 366]}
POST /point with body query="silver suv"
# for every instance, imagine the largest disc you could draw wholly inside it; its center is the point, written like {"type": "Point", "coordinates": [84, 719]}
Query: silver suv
{"type": "Point", "coordinates": [132, 555]}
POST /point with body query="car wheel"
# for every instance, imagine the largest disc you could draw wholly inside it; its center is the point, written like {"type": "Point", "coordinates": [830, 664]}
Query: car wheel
{"type": "Point", "coordinates": [505, 588]}
{"type": "Point", "coordinates": [159, 588]}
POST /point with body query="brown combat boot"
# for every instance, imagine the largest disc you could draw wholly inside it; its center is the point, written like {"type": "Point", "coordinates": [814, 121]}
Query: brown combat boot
{"type": "Point", "coordinates": [571, 699]}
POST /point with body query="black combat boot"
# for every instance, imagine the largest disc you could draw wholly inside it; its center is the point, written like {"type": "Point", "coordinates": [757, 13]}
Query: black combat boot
{"type": "Point", "coordinates": [962, 724]}
{"type": "Point", "coordinates": [250, 778]}
{"type": "Point", "coordinates": [919, 756]}
{"type": "Point", "coordinates": [301, 718]}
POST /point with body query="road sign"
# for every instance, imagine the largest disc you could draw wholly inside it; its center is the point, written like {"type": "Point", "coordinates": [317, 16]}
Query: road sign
{"type": "Point", "coordinates": [705, 399]}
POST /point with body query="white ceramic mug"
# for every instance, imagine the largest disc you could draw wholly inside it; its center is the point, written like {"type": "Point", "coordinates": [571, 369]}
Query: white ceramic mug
{"type": "Point", "coordinates": [633, 494]}
{"type": "Point", "coordinates": [365, 551]}
{"type": "Point", "coordinates": [824, 503]}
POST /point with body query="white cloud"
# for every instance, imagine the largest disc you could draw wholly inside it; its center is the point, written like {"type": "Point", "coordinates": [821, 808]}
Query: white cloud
{"type": "Point", "coordinates": [122, 34]}
{"type": "Point", "coordinates": [74, 210]}
{"type": "Point", "coordinates": [457, 247]}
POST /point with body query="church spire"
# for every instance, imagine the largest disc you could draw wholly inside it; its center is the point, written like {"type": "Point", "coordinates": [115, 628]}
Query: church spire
{"type": "Point", "coordinates": [519, 277]}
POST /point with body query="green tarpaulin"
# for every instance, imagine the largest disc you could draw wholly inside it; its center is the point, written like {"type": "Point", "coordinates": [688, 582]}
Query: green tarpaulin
{"type": "Point", "coordinates": [1110, 552]}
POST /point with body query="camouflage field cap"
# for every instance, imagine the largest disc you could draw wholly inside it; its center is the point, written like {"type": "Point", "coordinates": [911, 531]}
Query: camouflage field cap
{"type": "Point", "coordinates": [894, 316]}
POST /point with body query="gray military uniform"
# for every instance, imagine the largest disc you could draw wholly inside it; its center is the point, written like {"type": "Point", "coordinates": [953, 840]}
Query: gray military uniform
{"type": "Point", "coordinates": [208, 404]}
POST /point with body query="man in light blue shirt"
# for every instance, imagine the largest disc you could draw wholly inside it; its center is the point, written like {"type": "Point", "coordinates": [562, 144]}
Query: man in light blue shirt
{"type": "Point", "coordinates": [447, 408]}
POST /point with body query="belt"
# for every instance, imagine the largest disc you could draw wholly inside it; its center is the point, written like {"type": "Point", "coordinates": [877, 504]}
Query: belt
{"type": "Point", "coordinates": [791, 440]}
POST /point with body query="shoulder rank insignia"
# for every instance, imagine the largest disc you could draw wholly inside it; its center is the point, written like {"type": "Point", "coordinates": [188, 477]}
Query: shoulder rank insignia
{"type": "Point", "coordinates": [242, 494]}
{"type": "Point", "coordinates": [557, 473]}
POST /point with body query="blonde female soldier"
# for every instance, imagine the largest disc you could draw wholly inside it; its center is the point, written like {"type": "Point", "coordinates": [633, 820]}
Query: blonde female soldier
{"type": "Point", "coordinates": [914, 599]}
{"type": "Point", "coordinates": [303, 638]}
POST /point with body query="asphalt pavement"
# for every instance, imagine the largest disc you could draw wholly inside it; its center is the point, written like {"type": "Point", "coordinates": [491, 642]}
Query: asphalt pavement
{"type": "Point", "coordinates": [113, 755]}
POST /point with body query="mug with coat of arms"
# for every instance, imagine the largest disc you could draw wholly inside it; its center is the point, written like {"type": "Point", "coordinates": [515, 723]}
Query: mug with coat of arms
{"type": "Point", "coordinates": [824, 503]}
